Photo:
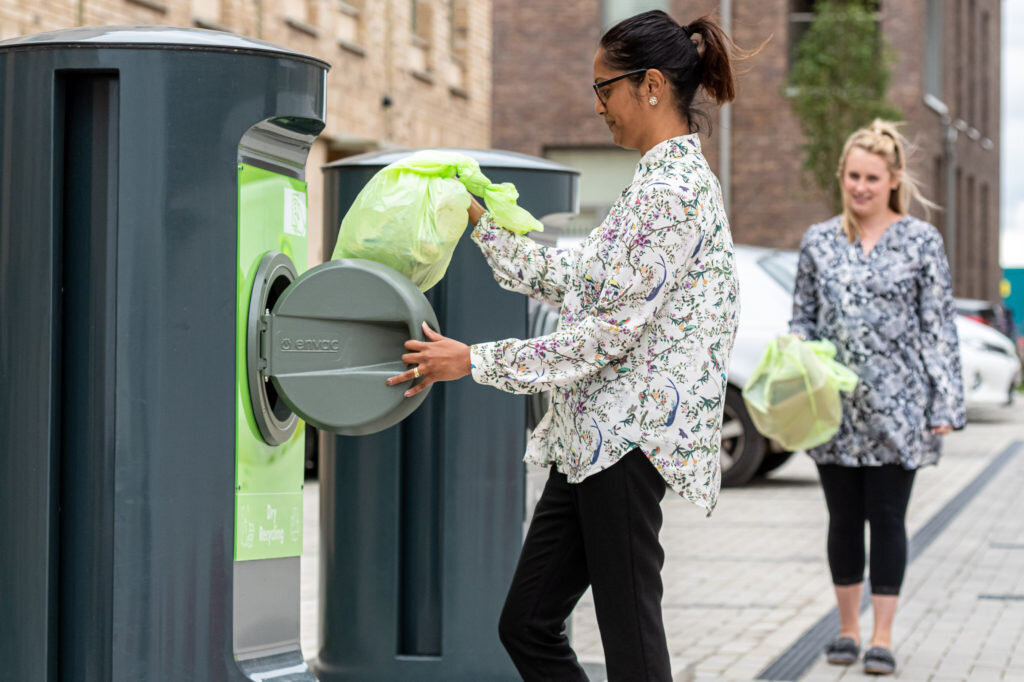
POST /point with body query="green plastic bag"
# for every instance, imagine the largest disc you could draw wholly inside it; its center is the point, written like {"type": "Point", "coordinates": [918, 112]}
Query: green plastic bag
{"type": "Point", "coordinates": [793, 394]}
{"type": "Point", "coordinates": [412, 213]}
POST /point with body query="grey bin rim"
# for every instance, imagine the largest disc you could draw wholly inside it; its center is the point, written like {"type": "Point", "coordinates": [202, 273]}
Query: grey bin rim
{"type": "Point", "coordinates": [153, 37]}
{"type": "Point", "coordinates": [487, 158]}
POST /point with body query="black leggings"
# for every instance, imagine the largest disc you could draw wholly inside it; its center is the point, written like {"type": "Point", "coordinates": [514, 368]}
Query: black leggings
{"type": "Point", "coordinates": [878, 495]}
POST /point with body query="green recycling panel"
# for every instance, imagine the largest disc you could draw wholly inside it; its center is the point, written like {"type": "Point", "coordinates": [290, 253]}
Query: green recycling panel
{"type": "Point", "coordinates": [268, 475]}
{"type": "Point", "coordinates": [335, 335]}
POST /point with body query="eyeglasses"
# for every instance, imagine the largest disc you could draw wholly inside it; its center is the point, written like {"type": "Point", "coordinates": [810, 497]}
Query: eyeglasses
{"type": "Point", "coordinates": [603, 85]}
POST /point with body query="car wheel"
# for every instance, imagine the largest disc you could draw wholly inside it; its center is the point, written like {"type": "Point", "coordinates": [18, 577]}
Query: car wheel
{"type": "Point", "coordinates": [743, 448]}
{"type": "Point", "coordinates": [772, 461]}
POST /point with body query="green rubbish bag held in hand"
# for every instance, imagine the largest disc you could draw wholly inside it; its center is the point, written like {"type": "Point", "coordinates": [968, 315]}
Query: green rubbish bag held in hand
{"type": "Point", "coordinates": [793, 394]}
{"type": "Point", "coordinates": [412, 213]}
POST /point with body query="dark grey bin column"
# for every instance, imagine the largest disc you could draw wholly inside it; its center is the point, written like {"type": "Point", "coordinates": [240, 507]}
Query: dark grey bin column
{"type": "Point", "coordinates": [421, 524]}
{"type": "Point", "coordinates": [119, 152]}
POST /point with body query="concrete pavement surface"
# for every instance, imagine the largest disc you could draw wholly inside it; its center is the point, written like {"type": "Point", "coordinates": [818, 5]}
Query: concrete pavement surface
{"type": "Point", "coordinates": [748, 594]}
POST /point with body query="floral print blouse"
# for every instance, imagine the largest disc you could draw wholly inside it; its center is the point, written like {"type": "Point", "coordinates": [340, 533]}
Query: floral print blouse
{"type": "Point", "coordinates": [649, 304]}
{"type": "Point", "coordinates": [891, 316]}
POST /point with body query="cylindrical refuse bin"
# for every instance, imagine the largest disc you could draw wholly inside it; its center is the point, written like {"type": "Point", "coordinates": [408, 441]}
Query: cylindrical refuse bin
{"type": "Point", "coordinates": [127, 158]}
{"type": "Point", "coordinates": [421, 524]}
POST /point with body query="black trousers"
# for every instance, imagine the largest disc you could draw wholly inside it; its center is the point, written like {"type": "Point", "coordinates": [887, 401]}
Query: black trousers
{"type": "Point", "coordinates": [878, 495]}
{"type": "Point", "coordinates": [601, 533]}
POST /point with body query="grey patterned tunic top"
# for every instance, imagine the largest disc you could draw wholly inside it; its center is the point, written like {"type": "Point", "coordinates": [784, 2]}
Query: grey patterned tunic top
{"type": "Point", "coordinates": [890, 314]}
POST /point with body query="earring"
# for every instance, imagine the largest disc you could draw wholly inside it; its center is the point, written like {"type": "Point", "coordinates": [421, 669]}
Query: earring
{"type": "Point", "coordinates": [653, 100]}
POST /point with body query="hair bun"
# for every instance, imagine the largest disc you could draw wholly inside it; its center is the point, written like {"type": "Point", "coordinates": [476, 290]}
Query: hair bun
{"type": "Point", "coordinates": [887, 128]}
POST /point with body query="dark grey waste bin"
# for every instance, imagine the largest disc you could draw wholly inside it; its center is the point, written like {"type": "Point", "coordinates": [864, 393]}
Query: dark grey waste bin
{"type": "Point", "coordinates": [120, 278]}
{"type": "Point", "coordinates": [421, 524]}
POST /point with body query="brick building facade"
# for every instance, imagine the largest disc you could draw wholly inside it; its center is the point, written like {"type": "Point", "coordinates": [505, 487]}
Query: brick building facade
{"type": "Point", "coordinates": [405, 73]}
{"type": "Point", "coordinates": [950, 49]}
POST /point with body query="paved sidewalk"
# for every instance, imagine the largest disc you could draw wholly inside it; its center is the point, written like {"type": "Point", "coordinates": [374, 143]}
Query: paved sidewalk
{"type": "Point", "coordinates": [743, 586]}
{"type": "Point", "coordinates": [962, 612]}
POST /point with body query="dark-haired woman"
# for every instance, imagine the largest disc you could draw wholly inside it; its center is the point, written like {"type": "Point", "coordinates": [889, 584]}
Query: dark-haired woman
{"type": "Point", "coordinates": [636, 369]}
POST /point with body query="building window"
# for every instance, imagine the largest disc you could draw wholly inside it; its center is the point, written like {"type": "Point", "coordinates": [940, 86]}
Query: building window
{"type": "Point", "coordinates": [207, 14]}
{"type": "Point", "coordinates": [967, 234]}
{"type": "Point", "coordinates": [294, 9]}
{"type": "Point", "coordinates": [420, 19]}
{"type": "Point", "coordinates": [604, 173]}
{"type": "Point", "coordinates": [421, 26]}
{"type": "Point", "coordinates": [458, 46]}
{"type": "Point", "coordinates": [458, 28]}
{"type": "Point", "coordinates": [300, 15]}
{"type": "Point", "coordinates": [972, 62]}
{"type": "Point", "coordinates": [958, 50]}
{"type": "Point", "coordinates": [985, 264]}
{"type": "Point", "coordinates": [933, 49]}
{"type": "Point", "coordinates": [350, 22]}
{"type": "Point", "coordinates": [614, 11]}
{"type": "Point", "coordinates": [986, 90]}
{"type": "Point", "coordinates": [801, 16]}
{"type": "Point", "coordinates": [958, 231]}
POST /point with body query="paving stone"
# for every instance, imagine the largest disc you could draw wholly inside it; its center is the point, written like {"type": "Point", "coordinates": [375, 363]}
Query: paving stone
{"type": "Point", "coordinates": [744, 585]}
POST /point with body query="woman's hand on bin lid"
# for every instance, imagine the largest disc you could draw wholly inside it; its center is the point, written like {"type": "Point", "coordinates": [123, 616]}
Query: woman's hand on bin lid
{"type": "Point", "coordinates": [437, 359]}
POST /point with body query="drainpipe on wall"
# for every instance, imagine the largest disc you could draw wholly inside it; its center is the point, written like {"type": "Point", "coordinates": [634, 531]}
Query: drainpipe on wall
{"type": "Point", "coordinates": [949, 158]}
{"type": "Point", "coordinates": [725, 125]}
{"type": "Point", "coordinates": [949, 136]}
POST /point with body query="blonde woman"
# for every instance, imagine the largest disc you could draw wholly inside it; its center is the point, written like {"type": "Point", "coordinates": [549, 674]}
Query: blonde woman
{"type": "Point", "coordinates": [875, 281]}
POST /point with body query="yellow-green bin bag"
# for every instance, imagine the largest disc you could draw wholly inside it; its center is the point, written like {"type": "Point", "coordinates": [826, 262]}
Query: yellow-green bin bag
{"type": "Point", "coordinates": [411, 214]}
{"type": "Point", "coordinates": [793, 394]}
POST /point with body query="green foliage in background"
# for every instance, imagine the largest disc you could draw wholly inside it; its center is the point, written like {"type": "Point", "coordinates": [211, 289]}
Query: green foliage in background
{"type": "Point", "coordinates": [839, 78]}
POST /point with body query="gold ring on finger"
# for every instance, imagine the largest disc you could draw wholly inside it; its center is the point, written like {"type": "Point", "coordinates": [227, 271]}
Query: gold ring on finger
{"type": "Point", "coordinates": [416, 372]}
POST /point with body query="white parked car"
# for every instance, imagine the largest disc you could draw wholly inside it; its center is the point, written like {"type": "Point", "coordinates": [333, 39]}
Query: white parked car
{"type": "Point", "coordinates": [767, 278]}
{"type": "Point", "coordinates": [991, 369]}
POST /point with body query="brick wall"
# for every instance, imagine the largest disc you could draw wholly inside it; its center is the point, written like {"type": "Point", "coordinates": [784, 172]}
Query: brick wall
{"type": "Point", "coordinates": [543, 68]}
{"type": "Point", "coordinates": [436, 85]}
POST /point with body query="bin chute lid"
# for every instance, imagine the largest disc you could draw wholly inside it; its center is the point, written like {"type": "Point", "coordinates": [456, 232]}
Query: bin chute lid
{"type": "Point", "coordinates": [335, 335]}
{"type": "Point", "coordinates": [153, 37]}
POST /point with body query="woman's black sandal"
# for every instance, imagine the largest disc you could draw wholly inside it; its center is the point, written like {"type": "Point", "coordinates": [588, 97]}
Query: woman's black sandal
{"type": "Point", "coordinates": [879, 661]}
{"type": "Point", "coordinates": [843, 651]}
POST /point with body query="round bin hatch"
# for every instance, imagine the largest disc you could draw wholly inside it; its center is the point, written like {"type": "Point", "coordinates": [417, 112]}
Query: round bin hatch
{"type": "Point", "coordinates": [273, 416]}
{"type": "Point", "coordinates": [331, 339]}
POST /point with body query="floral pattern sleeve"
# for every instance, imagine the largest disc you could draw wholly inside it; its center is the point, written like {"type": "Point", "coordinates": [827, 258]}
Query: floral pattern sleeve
{"type": "Point", "coordinates": [522, 265]}
{"type": "Point", "coordinates": [939, 342]}
{"type": "Point", "coordinates": [648, 307]}
{"type": "Point", "coordinates": [623, 293]}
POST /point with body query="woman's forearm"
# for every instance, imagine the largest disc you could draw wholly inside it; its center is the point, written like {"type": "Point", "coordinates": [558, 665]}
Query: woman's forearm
{"type": "Point", "coordinates": [475, 211]}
